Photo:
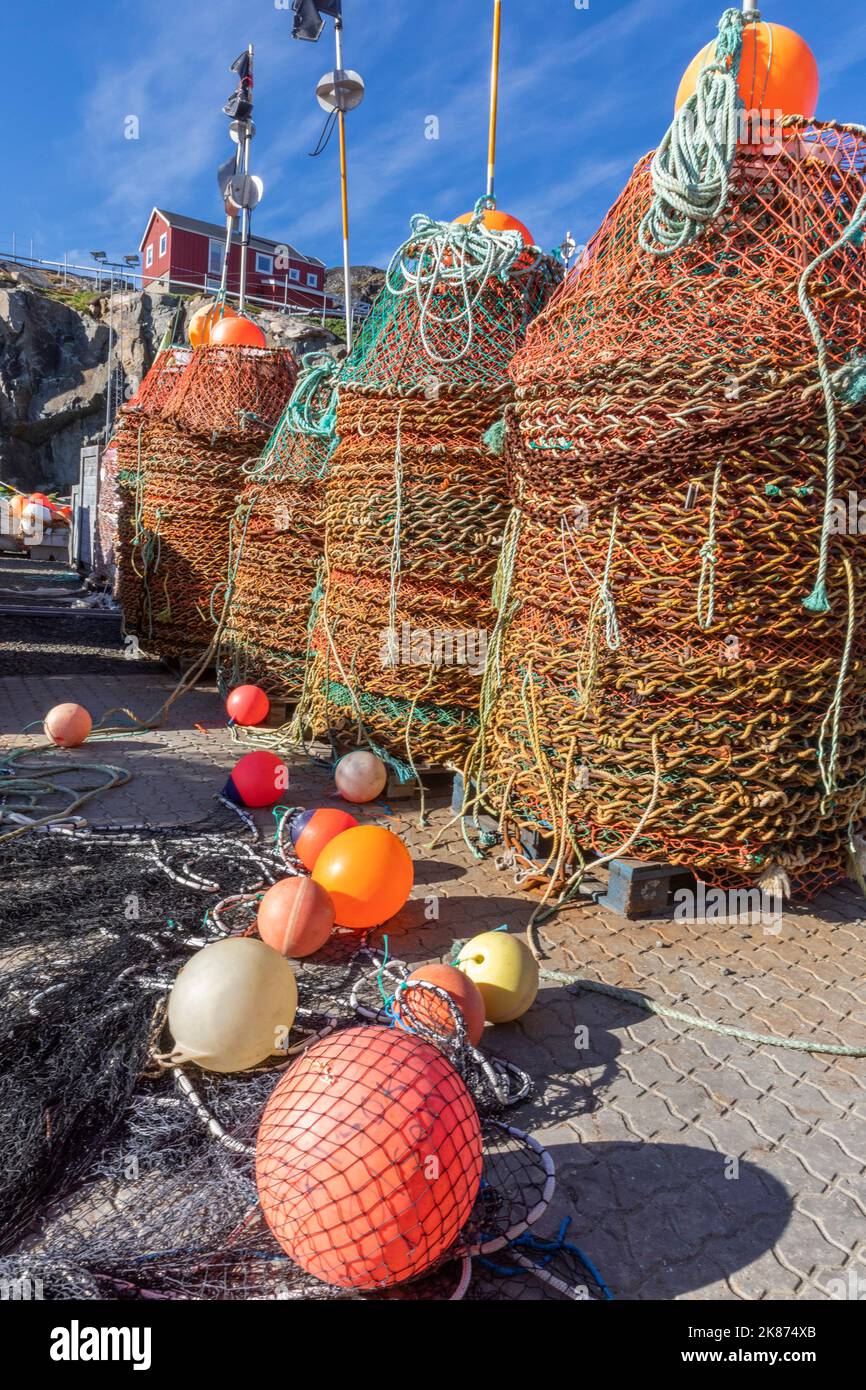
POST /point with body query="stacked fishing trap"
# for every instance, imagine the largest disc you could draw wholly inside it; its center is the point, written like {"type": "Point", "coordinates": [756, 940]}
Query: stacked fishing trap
{"type": "Point", "coordinates": [678, 669]}
{"type": "Point", "coordinates": [278, 535]}
{"type": "Point", "coordinates": [415, 502]}
{"type": "Point", "coordinates": [190, 458]}
{"type": "Point", "coordinates": [119, 469]}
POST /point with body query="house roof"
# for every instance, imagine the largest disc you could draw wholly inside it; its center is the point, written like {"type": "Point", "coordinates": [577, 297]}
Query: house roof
{"type": "Point", "coordinates": [213, 229]}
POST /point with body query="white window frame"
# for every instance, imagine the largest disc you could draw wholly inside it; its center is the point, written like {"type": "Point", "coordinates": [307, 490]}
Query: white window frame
{"type": "Point", "coordinates": [148, 256]}
{"type": "Point", "coordinates": [294, 274]}
{"type": "Point", "coordinates": [268, 267]}
{"type": "Point", "coordinates": [312, 279]}
{"type": "Point", "coordinates": [219, 247]}
{"type": "Point", "coordinates": [163, 245]}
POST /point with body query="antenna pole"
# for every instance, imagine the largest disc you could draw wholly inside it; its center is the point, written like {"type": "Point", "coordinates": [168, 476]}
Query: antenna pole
{"type": "Point", "coordinates": [344, 194]}
{"type": "Point", "coordinates": [494, 96]}
{"type": "Point", "coordinates": [244, 161]}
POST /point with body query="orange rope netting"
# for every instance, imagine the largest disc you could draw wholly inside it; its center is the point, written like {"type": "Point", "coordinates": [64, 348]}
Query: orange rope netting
{"type": "Point", "coordinates": [279, 528]}
{"type": "Point", "coordinates": [414, 502]}
{"type": "Point", "coordinates": [660, 682]}
{"type": "Point", "coordinates": [190, 460]}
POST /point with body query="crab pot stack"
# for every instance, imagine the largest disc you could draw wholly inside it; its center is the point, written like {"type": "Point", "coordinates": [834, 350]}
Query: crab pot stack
{"type": "Point", "coordinates": [662, 683]}
{"type": "Point", "coordinates": [278, 534]}
{"type": "Point", "coordinates": [415, 502]}
{"type": "Point", "coordinates": [119, 467]}
{"type": "Point", "coordinates": [216, 420]}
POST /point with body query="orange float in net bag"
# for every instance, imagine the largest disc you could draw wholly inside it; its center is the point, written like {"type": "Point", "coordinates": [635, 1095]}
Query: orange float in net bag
{"type": "Point", "coordinates": [368, 1158]}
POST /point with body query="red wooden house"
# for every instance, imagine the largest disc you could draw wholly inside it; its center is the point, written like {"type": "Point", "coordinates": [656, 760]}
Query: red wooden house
{"type": "Point", "coordinates": [181, 254]}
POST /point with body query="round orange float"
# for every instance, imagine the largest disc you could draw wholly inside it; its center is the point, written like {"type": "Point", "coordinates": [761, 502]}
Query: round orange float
{"type": "Point", "coordinates": [237, 332]}
{"type": "Point", "coordinates": [204, 320]}
{"type": "Point", "coordinates": [496, 221]}
{"type": "Point", "coordinates": [68, 725]}
{"type": "Point", "coordinates": [368, 873]}
{"type": "Point", "coordinates": [312, 830]}
{"type": "Point", "coordinates": [368, 1158]}
{"type": "Point", "coordinates": [295, 917]}
{"type": "Point", "coordinates": [778, 72]}
{"type": "Point", "coordinates": [433, 1012]}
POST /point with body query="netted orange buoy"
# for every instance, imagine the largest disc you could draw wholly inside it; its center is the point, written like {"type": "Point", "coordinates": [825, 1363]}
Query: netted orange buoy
{"type": "Point", "coordinates": [368, 1158]}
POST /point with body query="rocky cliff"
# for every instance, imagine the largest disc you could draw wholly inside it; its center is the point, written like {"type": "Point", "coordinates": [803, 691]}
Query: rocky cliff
{"type": "Point", "coordinates": [54, 363]}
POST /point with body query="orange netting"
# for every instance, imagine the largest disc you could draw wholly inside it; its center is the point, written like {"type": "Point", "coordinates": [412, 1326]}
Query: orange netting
{"type": "Point", "coordinates": [119, 464]}
{"type": "Point", "coordinates": [190, 462]}
{"type": "Point", "coordinates": [414, 502]}
{"type": "Point", "coordinates": [279, 524]}
{"type": "Point", "coordinates": [660, 683]}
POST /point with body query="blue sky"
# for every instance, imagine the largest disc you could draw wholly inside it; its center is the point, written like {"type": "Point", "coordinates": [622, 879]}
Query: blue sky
{"type": "Point", "coordinates": [584, 93]}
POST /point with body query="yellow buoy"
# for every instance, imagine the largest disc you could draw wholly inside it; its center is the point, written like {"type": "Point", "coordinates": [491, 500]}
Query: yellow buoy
{"type": "Point", "coordinates": [505, 971]}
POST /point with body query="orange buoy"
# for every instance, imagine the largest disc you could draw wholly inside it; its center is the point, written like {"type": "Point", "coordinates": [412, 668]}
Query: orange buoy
{"type": "Point", "coordinates": [496, 221]}
{"type": "Point", "coordinates": [432, 1012]}
{"type": "Point", "coordinates": [312, 830]}
{"type": "Point", "coordinates": [68, 725]}
{"type": "Point", "coordinates": [295, 917]}
{"type": "Point", "coordinates": [237, 332]}
{"type": "Point", "coordinates": [778, 72]}
{"type": "Point", "coordinates": [204, 320]}
{"type": "Point", "coordinates": [369, 874]}
{"type": "Point", "coordinates": [368, 1157]}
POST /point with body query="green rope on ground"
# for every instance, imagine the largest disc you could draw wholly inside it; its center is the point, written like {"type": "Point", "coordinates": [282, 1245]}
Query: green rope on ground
{"type": "Point", "coordinates": [725, 1030]}
{"type": "Point", "coordinates": [817, 601]}
{"type": "Point", "coordinates": [691, 167]}
{"type": "Point", "coordinates": [456, 256]}
{"type": "Point", "coordinates": [30, 789]}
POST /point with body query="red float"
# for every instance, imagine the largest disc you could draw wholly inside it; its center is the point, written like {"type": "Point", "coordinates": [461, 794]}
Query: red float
{"type": "Point", "coordinates": [248, 705]}
{"type": "Point", "coordinates": [259, 779]}
{"type": "Point", "coordinates": [237, 332]}
{"type": "Point", "coordinates": [368, 1158]}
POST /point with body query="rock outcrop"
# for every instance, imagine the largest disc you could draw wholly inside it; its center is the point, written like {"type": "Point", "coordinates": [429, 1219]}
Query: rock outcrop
{"type": "Point", "coordinates": [55, 376]}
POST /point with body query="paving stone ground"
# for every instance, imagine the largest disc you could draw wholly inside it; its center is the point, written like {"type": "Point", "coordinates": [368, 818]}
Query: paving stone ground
{"type": "Point", "coordinates": [694, 1165]}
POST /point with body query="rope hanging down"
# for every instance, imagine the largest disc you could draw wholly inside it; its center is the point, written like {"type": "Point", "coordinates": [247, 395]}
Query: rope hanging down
{"type": "Point", "coordinates": [692, 165]}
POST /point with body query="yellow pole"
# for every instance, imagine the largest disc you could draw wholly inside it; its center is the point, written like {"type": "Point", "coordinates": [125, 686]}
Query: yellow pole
{"type": "Point", "coordinates": [494, 96]}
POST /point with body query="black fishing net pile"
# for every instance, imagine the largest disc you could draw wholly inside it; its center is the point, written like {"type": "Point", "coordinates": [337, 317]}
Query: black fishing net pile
{"type": "Point", "coordinates": [123, 1180]}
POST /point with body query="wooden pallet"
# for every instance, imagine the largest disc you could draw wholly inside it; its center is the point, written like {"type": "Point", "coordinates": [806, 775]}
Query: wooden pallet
{"type": "Point", "coordinates": [639, 888]}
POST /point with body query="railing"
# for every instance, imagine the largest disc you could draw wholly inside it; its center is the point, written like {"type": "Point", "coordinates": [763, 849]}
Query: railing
{"type": "Point", "coordinates": [121, 278]}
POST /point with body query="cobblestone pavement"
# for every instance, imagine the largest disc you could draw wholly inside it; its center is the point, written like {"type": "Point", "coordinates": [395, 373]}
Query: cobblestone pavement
{"type": "Point", "coordinates": [694, 1165]}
